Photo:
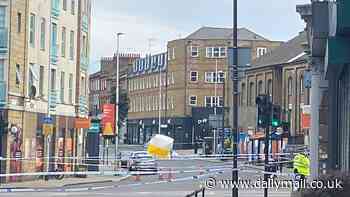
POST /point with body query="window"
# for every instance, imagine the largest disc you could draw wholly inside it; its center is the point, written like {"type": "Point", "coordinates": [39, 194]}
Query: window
{"type": "Point", "coordinates": [62, 87]}
{"type": "Point", "coordinates": [63, 40]}
{"type": "Point", "coordinates": [41, 81]}
{"type": "Point", "coordinates": [301, 84]}
{"type": "Point", "coordinates": [32, 30]}
{"type": "Point", "coordinates": [19, 21]}
{"type": "Point", "coordinates": [269, 87]}
{"type": "Point", "coordinates": [18, 74]}
{"type": "Point", "coordinates": [31, 78]}
{"type": "Point", "coordinates": [83, 87]}
{"type": "Point", "coordinates": [54, 40]}
{"type": "Point", "coordinates": [72, 10]}
{"type": "Point", "coordinates": [194, 76]}
{"type": "Point", "coordinates": [53, 79]}
{"type": "Point", "coordinates": [290, 86]}
{"type": "Point", "coordinates": [243, 92]}
{"type": "Point", "coordinates": [251, 94]}
{"type": "Point", "coordinates": [260, 51]}
{"type": "Point", "coordinates": [42, 33]}
{"type": "Point", "coordinates": [194, 51]}
{"type": "Point", "coordinates": [193, 100]}
{"type": "Point", "coordinates": [84, 46]}
{"type": "Point", "coordinates": [173, 53]}
{"type": "Point", "coordinates": [64, 5]}
{"type": "Point", "coordinates": [212, 77]}
{"type": "Point", "coordinates": [260, 88]}
{"type": "Point", "coordinates": [209, 77]}
{"type": "Point", "coordinates": [211, 101]}
{"type": "Point", "coordinates": [221, 77]}
{"type": "Point", "coordinates": [216, 52]}
{"type": "Point", "coordinates": [71, 45]}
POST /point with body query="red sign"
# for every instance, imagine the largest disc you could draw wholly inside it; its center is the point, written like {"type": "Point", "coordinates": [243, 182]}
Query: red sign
{"type": "Point", "coordinates": [82, 123]}
{"type": "Point", "coordinates": [306, 121]}
{"type": "Point", "coordinates": [108, 119]}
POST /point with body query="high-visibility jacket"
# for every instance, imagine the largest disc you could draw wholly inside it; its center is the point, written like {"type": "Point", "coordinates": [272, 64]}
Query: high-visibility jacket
{"type": "Point", "coordinates": [301, 163]}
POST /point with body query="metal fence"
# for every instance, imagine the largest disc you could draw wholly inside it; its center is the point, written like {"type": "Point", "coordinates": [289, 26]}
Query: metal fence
{"type": "Point", "coordinates": [197, 193]}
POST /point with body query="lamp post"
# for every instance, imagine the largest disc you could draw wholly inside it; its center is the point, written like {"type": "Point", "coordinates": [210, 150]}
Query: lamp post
{"type": "Point", "coordinates": [234, 73]}
{"type": "Point", "coordinates": [117, 98]}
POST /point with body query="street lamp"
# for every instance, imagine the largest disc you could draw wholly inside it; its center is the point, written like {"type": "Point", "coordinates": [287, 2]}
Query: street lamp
{"type": "Point", "coordinates": [117, 97]}
{"type": "Point", "coordinates": [234, 69]}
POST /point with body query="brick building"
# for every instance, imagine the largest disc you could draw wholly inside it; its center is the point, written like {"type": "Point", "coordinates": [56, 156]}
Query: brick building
{"type": "Point", "coordinates": [102, 84]}
{"type": "Point", "coordinates": [280, 74]}
{"type": "Point", "coordinates": [191, 82]}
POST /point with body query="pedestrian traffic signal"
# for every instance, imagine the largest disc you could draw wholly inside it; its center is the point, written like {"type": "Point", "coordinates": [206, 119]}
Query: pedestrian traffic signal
{"type": "Point", "coordinates": [264, 110]}
{"type": "Point", "coordinates": [276, 116]}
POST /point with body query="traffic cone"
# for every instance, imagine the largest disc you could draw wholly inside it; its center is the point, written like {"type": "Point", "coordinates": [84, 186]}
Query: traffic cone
{"type": "Point", "coordinates": [161, 175]}
{"type": "Point", "coordinates": [201, 171]}
{"type": "Point", "coordinates": [137, 177]}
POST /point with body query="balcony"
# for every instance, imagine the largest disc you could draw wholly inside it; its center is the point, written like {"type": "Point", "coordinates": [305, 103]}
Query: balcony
{"type": "Point", "coordinates": [54, 54]}
{"type": "Point", "coordinates": [3, 40]}
{"type": "Point", "coordinates": [2, 93]}
{"type": "Point", "coordinates": [55, 11]}
{"type": "Point", "coordinates": [83, 108]}
{"type": "Point", "coordinates": [85, 24]}
{"type": "Point", "coordinates": [53, 100]}
{"type": "Point", "coordinates": [84, 63]}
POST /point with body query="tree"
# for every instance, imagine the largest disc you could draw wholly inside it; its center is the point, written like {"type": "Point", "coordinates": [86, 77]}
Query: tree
{"type": "Point", "coordinates": [123, 106]}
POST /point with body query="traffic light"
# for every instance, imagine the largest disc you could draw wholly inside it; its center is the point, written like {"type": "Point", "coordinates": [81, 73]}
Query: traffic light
{"type": "Point", "coordinates": [264, 110]}
{"type": "Point", "coordinates": [276, 116]}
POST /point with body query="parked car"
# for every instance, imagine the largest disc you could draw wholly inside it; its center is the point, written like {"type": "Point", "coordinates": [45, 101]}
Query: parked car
{"type": "Point", "coordinates": [142, 161]}
{"type": "Point", "coordinates": [125, 156]}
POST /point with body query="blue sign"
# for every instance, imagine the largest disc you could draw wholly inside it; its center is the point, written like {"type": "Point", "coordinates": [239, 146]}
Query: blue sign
{"type": "Point", "coordinates": [150, 64]}
{"type": "Point", "coordinates": [48, 120]}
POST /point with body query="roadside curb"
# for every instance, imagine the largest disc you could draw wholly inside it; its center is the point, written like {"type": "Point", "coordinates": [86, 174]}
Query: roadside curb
{"type": "Point", "coordinates": [62, 189]}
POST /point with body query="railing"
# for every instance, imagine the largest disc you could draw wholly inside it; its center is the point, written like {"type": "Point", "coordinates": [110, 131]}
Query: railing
{"type": "Point", "coordinates": [54, 54]}
{"type": "Point", "coordinates": [83, 108]}
{"type": "Point", "coordinates": [85, 24]}
{"type": "Point", "coordinates": [55, 11]}
{"type": "Point", "coordinates": [2, 93]}
{"type": "Point", "coordinates": [53, 100]}
{"type": "Point", "coordinates": [197, 192]}
{"type": "Point", "coordinates": [3, 40]}
{"type": "Point", "coordinates": [84, 62]}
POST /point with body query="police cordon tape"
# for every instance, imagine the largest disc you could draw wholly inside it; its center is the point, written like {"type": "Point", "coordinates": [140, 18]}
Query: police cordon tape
{"type": "Point", "coordinates": [124, 173]}
{"type": "Point", "coordinates": [180, 157]}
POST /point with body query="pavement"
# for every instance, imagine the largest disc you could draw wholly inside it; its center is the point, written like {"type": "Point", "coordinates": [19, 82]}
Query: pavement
{"type": "Point", "coordinates": [66, 182]}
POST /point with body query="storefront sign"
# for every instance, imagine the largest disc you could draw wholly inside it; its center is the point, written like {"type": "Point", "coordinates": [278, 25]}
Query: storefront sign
{"type": "Point", "coordinates": [95, 127]}
{"type": "Point", "coordinates": [108, 120]}
{"type": "Point", "coordinates": [82, 123]}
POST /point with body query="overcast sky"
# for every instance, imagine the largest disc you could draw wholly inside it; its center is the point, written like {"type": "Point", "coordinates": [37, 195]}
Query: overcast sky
{"type": "Point", "coordinates": [149, 24]}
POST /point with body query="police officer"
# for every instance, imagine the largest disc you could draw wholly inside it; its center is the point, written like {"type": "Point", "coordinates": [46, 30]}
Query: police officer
{"type": "Point", "coordinates": [301, 166]}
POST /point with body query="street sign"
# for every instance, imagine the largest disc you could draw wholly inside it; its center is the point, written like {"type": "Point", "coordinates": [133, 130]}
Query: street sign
{"type": "Point", "coordinates": [48, 120]}
{"type": "Point", "coordinates": [47, 129]}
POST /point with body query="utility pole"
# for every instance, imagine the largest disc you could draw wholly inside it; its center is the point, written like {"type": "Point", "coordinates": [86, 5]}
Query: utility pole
{"type": "Point", "coordinates": [117, 100]}
{"type": "Point", "coordinates": [234, 75]}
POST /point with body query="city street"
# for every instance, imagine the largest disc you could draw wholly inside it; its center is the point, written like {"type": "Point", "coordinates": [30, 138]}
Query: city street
{"type": "Point", "coordinates": [151, 185]}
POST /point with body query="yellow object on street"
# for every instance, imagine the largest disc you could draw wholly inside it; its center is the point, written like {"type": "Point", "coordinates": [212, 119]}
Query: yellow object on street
{"type": "Point", "coordinates": [160, 146]}
{"type": "Point", "coordinates": [301, 164]}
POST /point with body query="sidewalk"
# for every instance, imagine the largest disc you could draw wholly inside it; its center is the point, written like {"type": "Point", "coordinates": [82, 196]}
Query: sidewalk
{"type": "Point", "coordinates": [69, 181]}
